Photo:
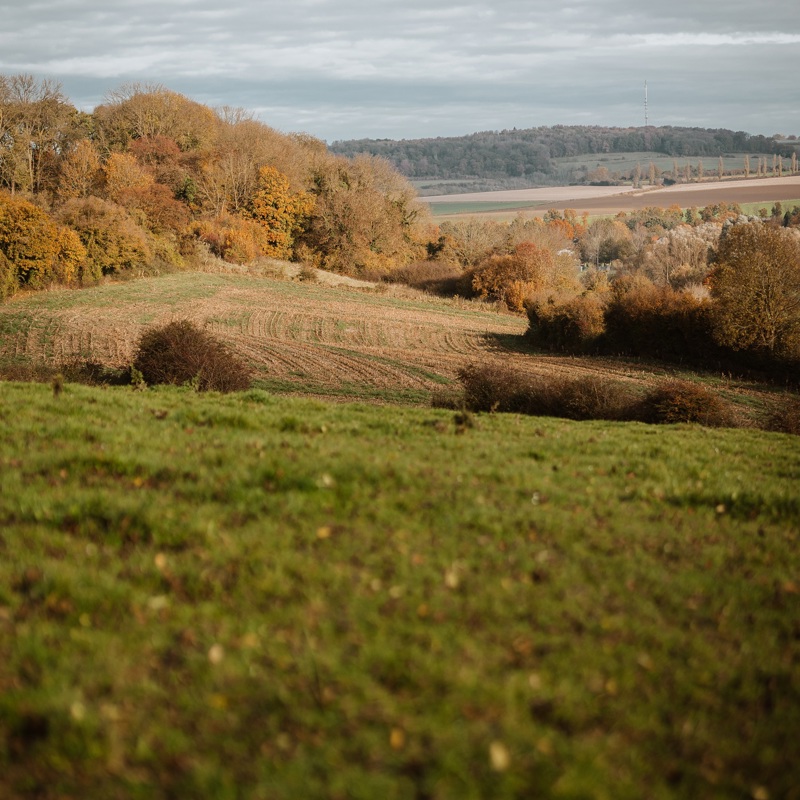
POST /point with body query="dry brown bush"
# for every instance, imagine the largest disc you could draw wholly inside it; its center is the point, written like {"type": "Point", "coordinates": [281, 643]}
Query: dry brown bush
{"type": "Point", "coordinates": [492, 387]}
{"type": "Point", "coordinates": [570, 325]}
{"type": "Point", "coordinates": [677, 401]}
{"type": "Point", "coordinates": [786, 419]}
{"type": "Point", "coordinates": [182, 353]}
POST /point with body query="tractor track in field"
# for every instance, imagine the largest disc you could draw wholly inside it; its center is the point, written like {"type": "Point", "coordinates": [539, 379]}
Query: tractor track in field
{"type": "Point", "coordinates": [299, 337]}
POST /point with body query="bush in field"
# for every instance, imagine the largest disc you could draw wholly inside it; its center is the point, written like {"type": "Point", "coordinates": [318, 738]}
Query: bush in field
{"type": "Point", "coordinates": [677, 401]}
{"type": "Point", "coordinates": [647, 320]}
{"type": "Point", "coordinates": [492, 387]}
{"type": "Point", "coordinates": [569, 325]}
{"type": "Point", "coordinates": [181, 353]}
{"type": "Point", "coordinates": [787, 418]}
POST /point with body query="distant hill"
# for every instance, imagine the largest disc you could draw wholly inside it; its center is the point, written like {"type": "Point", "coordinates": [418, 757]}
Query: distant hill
{"type": "Point", "coordinates": [525, 157]}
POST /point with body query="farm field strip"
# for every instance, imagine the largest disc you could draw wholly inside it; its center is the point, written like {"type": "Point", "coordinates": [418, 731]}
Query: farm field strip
{"type": "Point", "coordinates": [612, 199]}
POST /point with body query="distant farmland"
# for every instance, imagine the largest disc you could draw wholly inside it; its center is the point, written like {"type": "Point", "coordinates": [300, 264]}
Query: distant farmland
{"type": "Point", "coordinates": [598, 200]}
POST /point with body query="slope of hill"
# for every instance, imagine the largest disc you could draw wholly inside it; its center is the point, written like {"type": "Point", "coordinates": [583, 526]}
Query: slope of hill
{"type": "Point", "coordinates": [359, 342]}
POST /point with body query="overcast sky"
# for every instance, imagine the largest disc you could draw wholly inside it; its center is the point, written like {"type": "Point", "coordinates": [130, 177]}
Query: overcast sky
{"type": "Point", "coordinates": [345, 69]}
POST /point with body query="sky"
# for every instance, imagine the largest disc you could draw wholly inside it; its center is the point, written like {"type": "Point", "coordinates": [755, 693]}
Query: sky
{"type": "Point", "coordinates": [406, 69]}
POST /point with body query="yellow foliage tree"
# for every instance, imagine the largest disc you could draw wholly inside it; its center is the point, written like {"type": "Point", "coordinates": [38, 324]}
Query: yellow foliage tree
{"type": "Point", "coordinates": [281, 212]}
{"type": "Point", "coordinates": [36, 250]}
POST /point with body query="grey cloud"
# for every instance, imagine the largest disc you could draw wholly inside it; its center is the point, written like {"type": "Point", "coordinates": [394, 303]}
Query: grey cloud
{"type": "Point", "coordinates": [349, 68]}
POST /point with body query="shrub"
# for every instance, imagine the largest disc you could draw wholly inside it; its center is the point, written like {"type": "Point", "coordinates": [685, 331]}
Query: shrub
{"type": "Point", "coordinates": [235, 239]}
{"type": "Point", "coordinates": [647, 320]}
{"type": "Point", "coordinates": [39, 251]}
{"type": "Point", "coordinates": [677, 401]}
{"type": "Point", "coordinates": [594, 398]}
{"type": "Point", "coordinates": [493, 387]}
{"type": "Point", "coordinates": [786, 419]}
{"type": "Point", "coordinates": [8, 277]}
{"type": "Point", "coordinates": [181, 353]}
{"type": "Point", "coordinates": [513, 277]}
{"type": "Point", "coordinates": [573, 325]}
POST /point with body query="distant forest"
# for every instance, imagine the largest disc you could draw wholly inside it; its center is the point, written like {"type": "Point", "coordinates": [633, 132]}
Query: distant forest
{"type": "Point", "coordinates": [530, 154]}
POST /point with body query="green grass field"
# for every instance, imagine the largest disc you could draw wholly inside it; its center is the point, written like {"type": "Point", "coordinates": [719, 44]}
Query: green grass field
{"type": "Point", "coordinates": [258, 596]}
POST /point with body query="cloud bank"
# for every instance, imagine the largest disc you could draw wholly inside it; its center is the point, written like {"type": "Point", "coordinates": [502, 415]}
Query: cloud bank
{"type": "Point", "coordinates": [342, 69]}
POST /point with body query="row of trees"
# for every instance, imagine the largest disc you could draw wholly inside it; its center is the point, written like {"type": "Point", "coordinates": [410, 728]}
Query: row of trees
{"type": "Point", "coordinates": [152, 178]}
{"type": "Point", "coordinates": [531, 153]}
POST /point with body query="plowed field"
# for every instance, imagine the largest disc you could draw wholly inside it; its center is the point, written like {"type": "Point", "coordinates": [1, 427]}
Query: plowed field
{"type": "Point", "coordinates": [341, 340]}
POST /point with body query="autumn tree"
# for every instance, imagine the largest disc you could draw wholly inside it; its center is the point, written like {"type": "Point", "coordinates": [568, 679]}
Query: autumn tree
{"type": "Point", "coordinates": [37, 124]}
{"type": "Point", "coordinates": [113, 241]}
{"type": "Point", "coordinates": [80, 171]}
{"type": "Point", "coordinates": [136, 111]}
{"type": "Point", "coordinates": [122, 173]}
{"type": "Point", "coordinates": [228, 176]}
{"type": "Point", "coordinates": [281, 212]}
{"type": "Point", "coordinates": [756, 288]}
{"type": "Point", "coordinates": [468, 242]}
{"type": "Point", "coordinates": [365, 217]}
{"type": "Point", "coordinates": [681, 256]}
{"type": "Point", "coordinates": [161, 157]}
{"type": "Point", "coordinates": [528, 270]}
{"type": "Point", "coordinates": [36, 250]}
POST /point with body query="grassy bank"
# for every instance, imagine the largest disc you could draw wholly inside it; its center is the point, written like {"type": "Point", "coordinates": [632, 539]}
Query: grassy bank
{"type": "Point", "coordinates": [254, 596]}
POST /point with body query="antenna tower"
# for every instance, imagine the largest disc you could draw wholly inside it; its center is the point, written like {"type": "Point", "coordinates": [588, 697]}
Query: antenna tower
{"type": "Point", "coordinates": [646, 121]}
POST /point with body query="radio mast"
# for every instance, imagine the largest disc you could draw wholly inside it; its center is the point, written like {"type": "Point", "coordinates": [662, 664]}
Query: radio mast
{"type": "Point", "coordinates": [646, 121]}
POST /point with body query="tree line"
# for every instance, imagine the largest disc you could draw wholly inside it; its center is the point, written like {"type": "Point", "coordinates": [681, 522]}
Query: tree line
{"type": "Point", "coordinates": [151, 179]}
{"type": "Point", "coordinates": [531, 153]}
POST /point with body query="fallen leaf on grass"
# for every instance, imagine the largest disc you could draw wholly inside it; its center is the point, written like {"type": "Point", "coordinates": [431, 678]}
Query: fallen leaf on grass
{"type": "Point", "coordinates": [397, 739]}
{"type": "Point", "coordinates": [499, 757]}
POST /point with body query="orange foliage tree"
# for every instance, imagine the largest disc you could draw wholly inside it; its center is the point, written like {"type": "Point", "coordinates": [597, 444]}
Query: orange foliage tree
{"type": "Point", "coordinates": [122, 173]}
{"type": "Point", "coordinates": [235, 239]}
{"type": "Point", "coordinates": [529, 269]}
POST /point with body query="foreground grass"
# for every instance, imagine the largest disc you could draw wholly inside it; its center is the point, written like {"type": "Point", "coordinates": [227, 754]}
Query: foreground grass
{"type": "Point", "coordinates": [253, 596]}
